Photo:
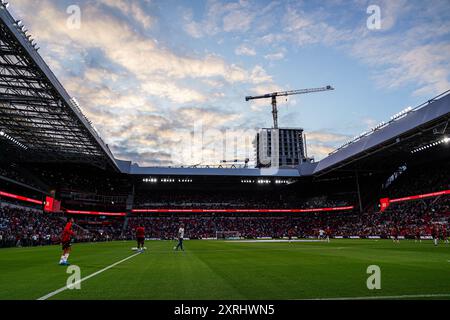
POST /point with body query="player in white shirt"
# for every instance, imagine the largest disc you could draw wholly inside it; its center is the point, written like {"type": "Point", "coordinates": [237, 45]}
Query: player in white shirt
{"type": "Point", "coordinates": [180, 238]}
{"type": "Point", "coordinates": [321, 233]}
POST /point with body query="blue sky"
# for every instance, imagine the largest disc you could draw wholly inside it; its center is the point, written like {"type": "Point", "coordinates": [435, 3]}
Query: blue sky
{"type": "Point", "coordinates": [148, 73]}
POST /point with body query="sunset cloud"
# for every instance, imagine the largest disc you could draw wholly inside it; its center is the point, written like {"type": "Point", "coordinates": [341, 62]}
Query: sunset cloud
{"type": "Point", "coordinates": [146, 72]}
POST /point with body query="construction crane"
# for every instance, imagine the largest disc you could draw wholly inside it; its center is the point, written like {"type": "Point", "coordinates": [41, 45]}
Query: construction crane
{"type": "Point", "coordinates": [274, 96]}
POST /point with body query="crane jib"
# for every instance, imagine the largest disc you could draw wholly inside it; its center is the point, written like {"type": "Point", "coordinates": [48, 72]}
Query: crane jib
{"type": "Point", "coordinates": [289, 93]}
{"type": "Point", "coordinates": [274, 96]}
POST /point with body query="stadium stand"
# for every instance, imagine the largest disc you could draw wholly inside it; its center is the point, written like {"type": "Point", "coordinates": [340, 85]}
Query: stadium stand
{"type": "Point", "coordinates": [28, 227]}
{"type": "Point", "coordinates": [31, 227]}
{"type": "Point", "coordinates": [407, 217]}
{"type": "Point", "coordinates": [65, 158]}
{"type": "Point", "coordinates": [419, 180]}
{"type": "Point", "coordinates": [223, 200]}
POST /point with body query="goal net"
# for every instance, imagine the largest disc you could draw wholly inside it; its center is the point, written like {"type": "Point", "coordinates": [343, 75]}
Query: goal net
{"type": "Point", "coordinates": [228, 235]}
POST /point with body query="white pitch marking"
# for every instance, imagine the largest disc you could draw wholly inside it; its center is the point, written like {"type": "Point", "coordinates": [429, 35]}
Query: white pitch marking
{"type": "Point", "coordinates": [51, 294]}
{"type": "Point", "coordinates": [271, 241]}
{"type": "Point", "coordinates": [443, 295]}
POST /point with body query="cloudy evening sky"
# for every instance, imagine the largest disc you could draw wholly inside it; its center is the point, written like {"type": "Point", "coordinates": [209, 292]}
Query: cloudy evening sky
{"type": "Point", "coordinates": [148, 72]}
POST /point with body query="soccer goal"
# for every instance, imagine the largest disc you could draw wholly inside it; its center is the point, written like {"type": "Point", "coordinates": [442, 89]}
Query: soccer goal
{"type": "Point", "coordinates": [228, 235]}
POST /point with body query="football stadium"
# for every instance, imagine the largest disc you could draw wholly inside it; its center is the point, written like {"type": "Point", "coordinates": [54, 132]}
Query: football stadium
{"type": "Point", "coordinates": [370, 220]}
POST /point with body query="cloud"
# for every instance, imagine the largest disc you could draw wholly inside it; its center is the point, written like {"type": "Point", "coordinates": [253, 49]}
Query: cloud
{"type": "Point", "coordinates": [236, 17]}
{"type": "Point", "coordinates": [244, 50]}
{"type": "Point", "coordinates": [237, 20]}
{"type": "Point", "coordinates": [183, 136]}
{"type": "Point", "coordinates": [321, 143]}
{"type": "Point", "coordinates": [326, 137]}
{"type": "Point", "coordinates": [213, 83]}
{"type": "Point", "coordinates": [259, 75]}
{"type": "Point", "coordinates": [275, 56]}
{"type": "Point", "coordinates": [207, 117]}
{"type": "Point", "coordinates": [410, 49]}
{"type": "Point", "coordinates": [210, 24]}
{"type": "Point", "coordinates": [391, 11]}
{"type": "Point", "coordinates": [173, 92]}
{"type": "Point", "coordinates": [306, 28]}
{"type": "Point", "coordinates": [261, 104]}
{"type": "Point", "coordinates": [142, 57]}
{"type": "Point", "coordinates": [318, 151]}
{"type": "Point", "coordinates": [133, 8]}
{"type": "Point", "coordinates": [142, 96]}
{"type": "Point", "coordinates": [193, 29]}
{"type": "Point", "coordinates": [427, 66]}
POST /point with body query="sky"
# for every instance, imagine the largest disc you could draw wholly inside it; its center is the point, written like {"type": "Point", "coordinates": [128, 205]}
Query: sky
{"type": "Point", "coordinates": [164, 82]}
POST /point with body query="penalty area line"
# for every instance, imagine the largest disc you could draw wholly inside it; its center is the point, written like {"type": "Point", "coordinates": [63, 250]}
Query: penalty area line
{"type": "Point", "coordinates": [411, 296]}
{"type": "Point", "coordinates": [51, 294]}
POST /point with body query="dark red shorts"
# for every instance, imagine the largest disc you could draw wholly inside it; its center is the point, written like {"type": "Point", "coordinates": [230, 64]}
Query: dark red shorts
{"type": "Point", "coordinates": [66, 245]}
{"type": "Point", "coordinates": [141, 239]}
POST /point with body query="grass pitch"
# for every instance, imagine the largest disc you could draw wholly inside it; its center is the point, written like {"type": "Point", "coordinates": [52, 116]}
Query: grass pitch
{"type": "Point", "coordinates": [231, 270]}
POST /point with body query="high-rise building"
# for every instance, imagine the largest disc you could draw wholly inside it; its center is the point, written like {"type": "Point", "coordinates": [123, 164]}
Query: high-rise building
{"type": "Point", "coordinates": [284, 147]}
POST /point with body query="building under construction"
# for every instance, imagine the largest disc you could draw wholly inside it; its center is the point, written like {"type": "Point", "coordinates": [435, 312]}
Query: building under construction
{"type": "Point", "coordinates": [284, 147]}
{"type": "Point", "coordinates": [281, 147]}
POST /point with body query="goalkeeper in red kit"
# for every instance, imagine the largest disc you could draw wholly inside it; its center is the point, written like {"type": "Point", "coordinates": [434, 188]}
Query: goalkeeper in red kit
{"type": "Point", "coordinates": [66, 241]}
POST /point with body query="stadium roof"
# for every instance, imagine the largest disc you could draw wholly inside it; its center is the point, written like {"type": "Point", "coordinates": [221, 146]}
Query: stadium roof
{"type": "Point", "coordinates": [394, 142]}
{"type": "Point", "coordinates": [240, 172]}
{"type": "Point", "coordinates": [134, 169]}
{"type": "Point", "coordinates": [39, 122]}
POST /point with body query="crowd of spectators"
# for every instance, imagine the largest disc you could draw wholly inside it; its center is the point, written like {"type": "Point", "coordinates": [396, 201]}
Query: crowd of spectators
{"type": "Point", "coordinates": [15, 173]}
{"type": "Point", "coordinates": [31, 227]}
{"type": "Point", "coordinates": [408, 218]}
{"type": "Point", "coordinates": [28, 227]}
{"type": "Point", "coordinates": [25, 227]}
{"type": "Point", "coordinates": [90, 182]}
{"type": "Point", "coordinates": [421, 180]}
{"type": "Point", "coordinates": [102, 229]}
{"type": "Point", "coordinates": [236, 200]}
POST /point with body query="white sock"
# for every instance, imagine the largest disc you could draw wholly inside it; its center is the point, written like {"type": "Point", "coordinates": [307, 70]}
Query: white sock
{"type": "Point", "coordinates": [62, 259]}
{"type": "Point", "coordinates": [66, 256]}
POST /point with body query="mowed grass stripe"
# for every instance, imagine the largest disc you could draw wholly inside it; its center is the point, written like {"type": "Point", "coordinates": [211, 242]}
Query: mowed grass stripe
{"type": "Point", "coordinates": [223, 270]}
{"type": "Point", "coordinates": [77, 283]}
{"type": "Point", "coordinates": [160, 273]}
{"type": "Point", "coordinates": [30, 273]}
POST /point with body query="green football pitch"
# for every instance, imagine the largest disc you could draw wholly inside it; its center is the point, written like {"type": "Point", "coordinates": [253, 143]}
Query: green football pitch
{"type": "Point", "coordinates": [230, 270]}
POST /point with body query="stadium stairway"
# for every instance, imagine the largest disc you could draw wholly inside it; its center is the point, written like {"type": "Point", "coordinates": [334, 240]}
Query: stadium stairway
{"type": "Point", "coordinates": [395, 176]}
{"type": "Point", "coordinates": [125, 226]}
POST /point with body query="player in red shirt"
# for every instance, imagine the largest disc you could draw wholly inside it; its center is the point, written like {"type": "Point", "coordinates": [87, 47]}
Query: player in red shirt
{"type": "Point", "coordinates": [328, 233]}
{"type": "Point", "coordinates": [140, 237]}
{"type": "Point", "coordinates": [444, 235]}
{"type": "Point", "coordinates": [418, 237]}
{"type": "Point", "coordinates": [66, 241]}
{"type": "Point", "coordinates": [291, 233]}
{"type": "Point", "coordinates": [395, 234]}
